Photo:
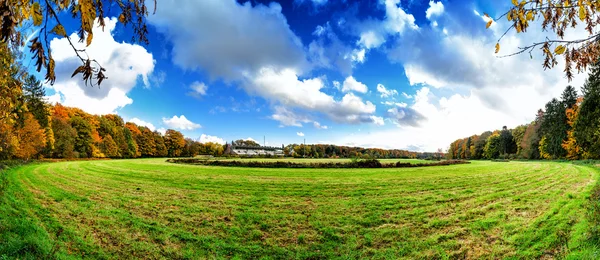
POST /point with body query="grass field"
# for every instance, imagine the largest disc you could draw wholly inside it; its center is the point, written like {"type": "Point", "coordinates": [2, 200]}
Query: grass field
{"type": "Point", "coordinates": [148, 208]}
{"type": "Point", "coordinates": [324, 160]}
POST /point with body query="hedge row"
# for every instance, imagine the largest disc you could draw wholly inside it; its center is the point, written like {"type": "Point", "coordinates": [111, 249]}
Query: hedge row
{"type": "Point", "coordinates": [370, 163]}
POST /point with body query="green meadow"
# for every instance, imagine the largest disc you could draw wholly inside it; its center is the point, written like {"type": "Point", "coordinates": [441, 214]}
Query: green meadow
{"type": "Point", "coordinates": [150, 209]}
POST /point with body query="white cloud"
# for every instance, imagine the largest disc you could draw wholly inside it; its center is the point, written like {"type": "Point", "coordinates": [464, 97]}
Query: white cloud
{"type": "Point", "coordinates": [373, 33]}
{"type": "Point", "coordinates": [377, 120]}
{"type": "Point", "coordinates": [386, 92]}
{"type": "Point", "coordinates": [371, 39]}
{"type": "Point", "coordinates": [140, 122]}
{"type": "Point", "coordinates": [350, 84]}
{"type": "Point", "coordinates": [397, 104]}
{"type": "Point", "coordinates": [227, 31]}
{"type": "Point", "coordinates": [124, 64]}
{"type": "Point", "coordinates": [435, 9]}
{"type": "Point", "coordinates": [180, 122]}
{"type": "Point", "coordinates": [300, 134]}
{"type": "Point", "coordinates": [204, 138]}
{"type": "Point", "coordinates": [162, 130]}
{"type": "Point", "coordinates": [406, 95]}
{"type": "Point", "coordinates": [198, 88]}
{"type": "Point", "coordinates": [288, 118]}
{"type": "Point", "coordinates": [319, 126]}
{"type": "Point", "coordinates": [284, 88]}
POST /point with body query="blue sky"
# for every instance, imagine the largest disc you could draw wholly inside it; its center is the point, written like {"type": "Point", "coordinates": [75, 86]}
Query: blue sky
{"type": "Point", "coordinates": [391, 74]}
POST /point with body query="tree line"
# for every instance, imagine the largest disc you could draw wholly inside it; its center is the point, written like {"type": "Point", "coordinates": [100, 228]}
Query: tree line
{"type": "Point", "coordinates": [336, 151]}
{"type": "Point", "coordinates": [567, 128]}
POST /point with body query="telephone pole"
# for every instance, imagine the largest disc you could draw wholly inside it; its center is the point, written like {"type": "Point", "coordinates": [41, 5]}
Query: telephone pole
{"type": "Point", "coordinates": [304, 150]}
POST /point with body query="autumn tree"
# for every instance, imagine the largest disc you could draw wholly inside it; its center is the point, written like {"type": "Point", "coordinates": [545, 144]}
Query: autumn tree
{"type": "Point", "coordinates": [83, 138]}
{"type": "Point", "coordinates": [570, 144]}
{"type": "Point", "coordinates": [64, 134]}
{"type": "Point", "coordinates": [493, 146]}
{"type": "Point", "coordinates": [557, 17]}
{"type": "Point", "coordinates": [146, 142]}
{"type": "Point", "coordinates": [130, 150]}
{"type": "Point", "coordinates": [108, 147]}
{"type": "Point", "coordinates": [479, 145]}
{"type": "Point", "coordinates": [159, 141]}
{"type": "Point", "coordinates": [31, 138]}
{"type": "Point", "coordinates": [47, 16]}
{"type": "Point", "coordinates": [174, 142]}
{"type": "Point", "coordinates": [518, 133]}
{"type": "Point", "coordinates": [10, 85]}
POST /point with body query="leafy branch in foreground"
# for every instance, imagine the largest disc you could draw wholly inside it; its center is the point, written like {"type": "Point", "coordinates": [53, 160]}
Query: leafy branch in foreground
{"type": "Point", "coordinates": [15, 15]}
{"type": "Point", "coordinates": [557, 16]}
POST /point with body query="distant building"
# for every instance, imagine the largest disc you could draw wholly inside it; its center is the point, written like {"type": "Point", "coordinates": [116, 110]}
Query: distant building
{"type": "Point", "coordinates": [245, 150]}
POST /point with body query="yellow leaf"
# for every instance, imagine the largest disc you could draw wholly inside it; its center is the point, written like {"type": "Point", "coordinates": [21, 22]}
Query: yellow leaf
{"type": "Point", "coordinates": [90, 36]}
{"type": "Point", "coordinates": [37, 14]}
{"type": "Point", "coordinates": [489, 23]}
{"type": "Point", "coordinates": [59, 30]}
{"type": "Point", "coordinates": [582, 13]}
{"type": "Point", "coordinates": [559, 49]}
{"type": "Point", "coordinates": [509, 17]}
{"type": "Point", "coordinates": [515, 2]}
{"type": "Point", "coordinates": [497, 47]}
{"type": "Point", "coordinates": [122, 18]}
{"type": "Point", "coordinates": [530, 16]}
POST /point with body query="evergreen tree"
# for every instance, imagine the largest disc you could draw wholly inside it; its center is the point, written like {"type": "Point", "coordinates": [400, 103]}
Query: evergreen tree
{"type": "Point", "coordinates": [554, 129]}
{"type": "Point", "coordinates": [588, 121]}
{"type": "Point", "coordinates": [33, 95]}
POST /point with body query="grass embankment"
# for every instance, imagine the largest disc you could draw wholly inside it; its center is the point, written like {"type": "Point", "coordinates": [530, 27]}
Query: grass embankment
{"type": "Point", "coordinates": [153, 209]}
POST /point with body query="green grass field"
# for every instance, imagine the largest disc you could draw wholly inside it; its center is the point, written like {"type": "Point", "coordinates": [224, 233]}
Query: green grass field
{"type": "Point", "coordinates": [323, 160]}
{"type": "Point", "coordinates": [148, 208]}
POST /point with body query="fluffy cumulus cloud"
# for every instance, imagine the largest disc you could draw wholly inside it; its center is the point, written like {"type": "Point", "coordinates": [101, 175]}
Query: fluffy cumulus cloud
{"type": "Point", "coordinates": [198, 89]}
{"type": "Point", "coordinates": [287, 117]}
{"type": "Point", "coordinates": [300, 134]}
{"type": "Point", "coordinates": [180, 122]}
{"type": "Point", "coordinates": [373, 33]}
{"type": "Point", "coordinates": [351, 85]}
{"type": "Point", "coordinates": [125, 65]}
{"type": "Point", "coordinates": [229, 32]}
{"type": "Point", "coordinates": [204, 138]}
{"type": "Point", "coordinates": [385, 93]}
{"type": "Point", "coordinates": [435, 9]}
{"type": "Point", "coordinates": [140, 122]}
{"type": "Point", "coordinates": [284, 87]}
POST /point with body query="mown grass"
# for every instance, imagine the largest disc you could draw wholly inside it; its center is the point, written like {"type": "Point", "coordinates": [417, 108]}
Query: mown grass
{"type": "Point", "coordinates": [322, 160]}
{"type": "Point", "coordinates": [152, 209]}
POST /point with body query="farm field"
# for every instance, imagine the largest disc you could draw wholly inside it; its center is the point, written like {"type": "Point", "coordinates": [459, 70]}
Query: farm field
{"type": "Point", "coordinates": [148, 208]}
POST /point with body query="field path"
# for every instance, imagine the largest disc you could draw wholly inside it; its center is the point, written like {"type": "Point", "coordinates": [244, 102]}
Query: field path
{"type": "Point", "coordinates": [148, 208]}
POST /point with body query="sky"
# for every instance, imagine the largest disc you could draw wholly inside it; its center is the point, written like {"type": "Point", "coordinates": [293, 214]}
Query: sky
{"type": "Point", "coordinates": [396, 74]}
